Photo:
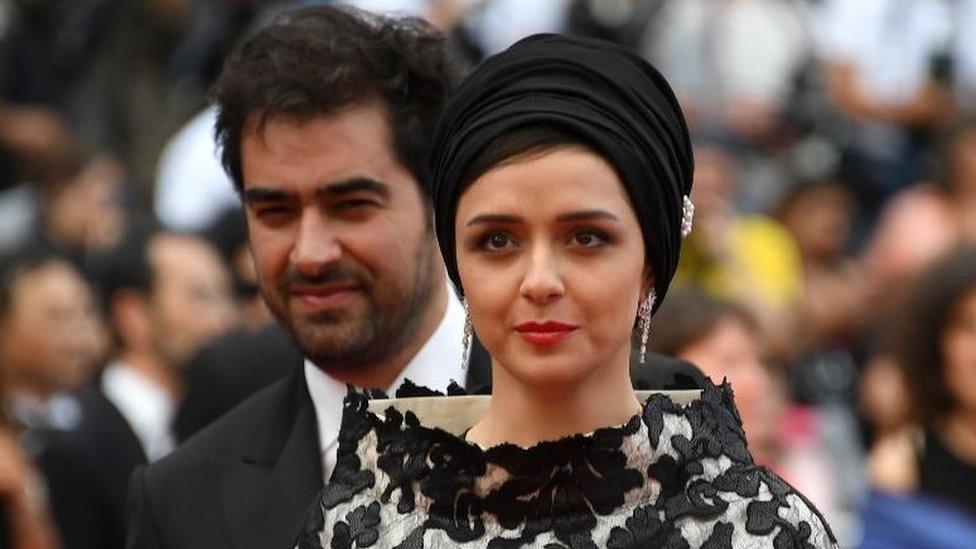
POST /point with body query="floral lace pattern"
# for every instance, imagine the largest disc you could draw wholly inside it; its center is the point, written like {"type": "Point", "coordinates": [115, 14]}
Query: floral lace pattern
{"type": "Point", "coordinates": [673, 476]}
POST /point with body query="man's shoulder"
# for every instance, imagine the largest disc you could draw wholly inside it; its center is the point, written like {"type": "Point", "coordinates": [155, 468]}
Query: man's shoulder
{"type": "Point", "coordinates": [226, 437]}
{"type": "Point", "coordinates": [661, 372]}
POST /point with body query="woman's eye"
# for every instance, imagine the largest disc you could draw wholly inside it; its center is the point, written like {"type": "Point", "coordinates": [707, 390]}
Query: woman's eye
{"type": "Point", "coordinates": [588, 238]}
{"type": "Point", "coordinates": [494, 242]}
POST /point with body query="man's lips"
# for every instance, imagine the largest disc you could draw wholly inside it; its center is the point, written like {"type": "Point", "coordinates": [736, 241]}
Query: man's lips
{"type": "Point", "coordinates": [545, 333]}
{"type": "Point", "coordinates": [318, 298]}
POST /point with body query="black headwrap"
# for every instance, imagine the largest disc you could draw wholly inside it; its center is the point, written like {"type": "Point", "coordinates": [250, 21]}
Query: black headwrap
{"type": "Point", "coordinates": [608, 97]}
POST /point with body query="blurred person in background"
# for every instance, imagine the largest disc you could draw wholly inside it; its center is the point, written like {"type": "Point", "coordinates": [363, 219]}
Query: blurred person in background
{"type": "Point", "coordinates": [228, 234]}
{"type": "Point", "coordinates": [923, 473]}
{"type": "Point", "coordinates": [834, 311]}
{"type": "Point", "coordinates": [235, 365]}
{"type": "Point", "coordinates": [81, 207]}
{"type": "Point", "coordinates": [165, 295]}
{"type": "Point", "coordinates": [725, 341]}
{"type": "Point", "coordinates": [733, 61]}
{"type": "Point", "coordinates": [924, 222]}
{"type": "Point", "coordinates": [887, 65]}
{"type": "Point", "coordinates": [750, 258]}
{"type": "Point", "coordinates": [36, 148]}
{"type": "Point", "coordinates": [51, 339]}
{"type": "Point", "coordinates": [818, 216]}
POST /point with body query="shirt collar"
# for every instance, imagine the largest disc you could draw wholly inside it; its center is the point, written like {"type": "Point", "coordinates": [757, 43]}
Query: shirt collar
{"type": "Point", "coordinates": [60, 412]}
{"type": "Point", "coordinates": [436, 364]}
{"type": "Point", "coordinates": [146, 407]}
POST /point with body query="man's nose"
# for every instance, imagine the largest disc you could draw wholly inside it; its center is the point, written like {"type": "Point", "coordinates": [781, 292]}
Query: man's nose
{"type": "Point", "coordinates": [542, 282]}
{"type": "Point", "coordinates": [316, 246]}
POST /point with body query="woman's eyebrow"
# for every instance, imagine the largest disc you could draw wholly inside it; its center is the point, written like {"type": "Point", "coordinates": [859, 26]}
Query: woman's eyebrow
{"type": "Point", "coordinates": [586, 215]}
{"type": "Point", "coordinates": [493, 218]}
{"type": "Point", "coordinates": [582, 215]}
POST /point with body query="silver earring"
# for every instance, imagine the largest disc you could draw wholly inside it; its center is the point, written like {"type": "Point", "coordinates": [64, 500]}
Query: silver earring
{"type": "Point", "coordinates": [687, 216]}
{"type": "Point", "coordinates": [466, 341]}
{"type": "Point", "coordinates": [644, 322]}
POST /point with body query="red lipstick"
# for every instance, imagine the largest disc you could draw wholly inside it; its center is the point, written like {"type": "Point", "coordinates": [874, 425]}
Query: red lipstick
{"type": "Point", "coordinates": [544, 334]}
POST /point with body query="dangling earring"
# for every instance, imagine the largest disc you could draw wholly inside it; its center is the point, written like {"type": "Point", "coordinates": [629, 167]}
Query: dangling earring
{"type": "Point", "coordinates": [466, 341]}
{"type": "Point", "coordinates": [644, 322]}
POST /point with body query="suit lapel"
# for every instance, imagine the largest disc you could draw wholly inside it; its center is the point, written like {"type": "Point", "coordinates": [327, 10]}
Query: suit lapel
{"type": "Point", "coordinates": [267, 488]}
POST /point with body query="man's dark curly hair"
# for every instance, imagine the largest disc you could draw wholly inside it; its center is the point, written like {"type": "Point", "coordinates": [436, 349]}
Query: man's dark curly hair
{"type": "Point", "coordinates": [318, 60]}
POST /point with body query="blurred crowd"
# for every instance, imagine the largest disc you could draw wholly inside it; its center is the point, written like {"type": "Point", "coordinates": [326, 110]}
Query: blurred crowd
{"type": "Point", "coordinates": [830, 276]}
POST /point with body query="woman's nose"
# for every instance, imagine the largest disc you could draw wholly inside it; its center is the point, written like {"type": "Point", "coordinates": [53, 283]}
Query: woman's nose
{"type": "Point", "coordinates": [542, 282]}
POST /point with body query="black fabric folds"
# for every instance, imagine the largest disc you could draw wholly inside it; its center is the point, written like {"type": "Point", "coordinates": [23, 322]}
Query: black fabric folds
{"type": "Point", "coordinates": [608, 97]}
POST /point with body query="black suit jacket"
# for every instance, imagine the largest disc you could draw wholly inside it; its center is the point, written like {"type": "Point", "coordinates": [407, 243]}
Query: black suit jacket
{"type": "Point", "coordinates": [87, 470]}
{"type": "Point", "coordinates": [246, 481]}
{"type": "Point", "coordinates": [228, 370]}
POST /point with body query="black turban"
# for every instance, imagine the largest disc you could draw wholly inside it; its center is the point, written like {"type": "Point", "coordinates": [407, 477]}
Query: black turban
{"type": "Point", "coordinates": [607, 97]}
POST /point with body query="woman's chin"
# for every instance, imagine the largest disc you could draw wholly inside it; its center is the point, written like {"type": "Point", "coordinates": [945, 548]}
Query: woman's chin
{"type": "Point", "coordinates": [556, 370]}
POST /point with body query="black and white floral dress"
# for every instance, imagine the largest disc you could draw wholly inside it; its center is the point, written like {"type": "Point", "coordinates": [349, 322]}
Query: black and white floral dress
{"type": "Point", "coordinates": [675, 475]}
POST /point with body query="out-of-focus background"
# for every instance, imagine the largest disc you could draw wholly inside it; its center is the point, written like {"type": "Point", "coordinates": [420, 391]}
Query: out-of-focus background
{"type": "Point", "coordinates": [828, 276]}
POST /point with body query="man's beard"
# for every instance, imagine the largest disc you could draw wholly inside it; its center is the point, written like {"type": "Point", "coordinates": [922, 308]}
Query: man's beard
{"type": "Point", "coordinates": [341, 339]}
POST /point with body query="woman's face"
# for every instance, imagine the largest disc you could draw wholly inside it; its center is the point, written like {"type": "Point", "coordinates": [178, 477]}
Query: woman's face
{"type": "Point", "coordinates": [959, 352]}
{"type": "Point", "coordinates": [551, 258]}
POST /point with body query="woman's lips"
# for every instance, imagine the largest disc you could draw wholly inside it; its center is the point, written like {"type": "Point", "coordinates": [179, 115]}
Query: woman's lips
{"type": "Point", "coordinates": [544, 334]}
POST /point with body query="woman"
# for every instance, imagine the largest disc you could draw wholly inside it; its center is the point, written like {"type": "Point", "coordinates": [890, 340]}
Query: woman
{"type": "Point", "coordinates": [926, 221]}
{"type": "Point", "coordinates": [559, 181]}
{"type": "Point", "coordinates": [929, 467]}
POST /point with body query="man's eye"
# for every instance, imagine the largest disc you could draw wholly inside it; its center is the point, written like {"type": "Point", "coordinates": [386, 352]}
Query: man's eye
{"type": "Point", "coordinates": [274, 212]}
{"type": "Point", "coordinates": [354, 203]}
{"type": "Point", "coordinates": [496, 242]}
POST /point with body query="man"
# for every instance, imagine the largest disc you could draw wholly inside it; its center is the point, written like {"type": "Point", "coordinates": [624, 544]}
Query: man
{"type": "Point", "coordinates": [166, 295]}
{"type": "Point", "coordinates": [50, 339]}
{"type": "Point", "coordinates": [324, 118]}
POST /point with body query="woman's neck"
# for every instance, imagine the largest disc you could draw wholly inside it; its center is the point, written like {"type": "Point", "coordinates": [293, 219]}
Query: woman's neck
{"type": "Point", "coordinates": [525, 415]}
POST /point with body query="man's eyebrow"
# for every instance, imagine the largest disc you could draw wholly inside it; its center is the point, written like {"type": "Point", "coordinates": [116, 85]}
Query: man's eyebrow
{"type": "Point", "coordinates": [264, 194]}
{"type": "Point", "coordinates": [338, 188]}
{"type": "Point", "coordinates": [586, 215]}
{"type": "Point", "coordinates": [354, 185]}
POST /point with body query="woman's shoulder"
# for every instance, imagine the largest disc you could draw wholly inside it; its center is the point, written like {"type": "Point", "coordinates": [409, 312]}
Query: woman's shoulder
{"type": "Point", "coordinates": [711, 485]}
{"type": "Point", "coordinates": [768, 508]}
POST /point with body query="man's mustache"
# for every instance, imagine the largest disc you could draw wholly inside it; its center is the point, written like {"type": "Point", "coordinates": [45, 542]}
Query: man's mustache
{"type": "Point", "coordinates": [333, 275]}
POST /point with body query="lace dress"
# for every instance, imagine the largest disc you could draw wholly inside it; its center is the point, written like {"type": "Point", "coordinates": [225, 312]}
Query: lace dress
{"type": "Point", "coordinates": [675, 475]}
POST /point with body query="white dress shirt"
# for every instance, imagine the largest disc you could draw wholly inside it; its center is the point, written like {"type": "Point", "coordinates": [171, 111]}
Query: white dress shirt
{"type": "Point", "coordinates": [147, 407]}
{"type": "Point", "coordinates": [436, 364]}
